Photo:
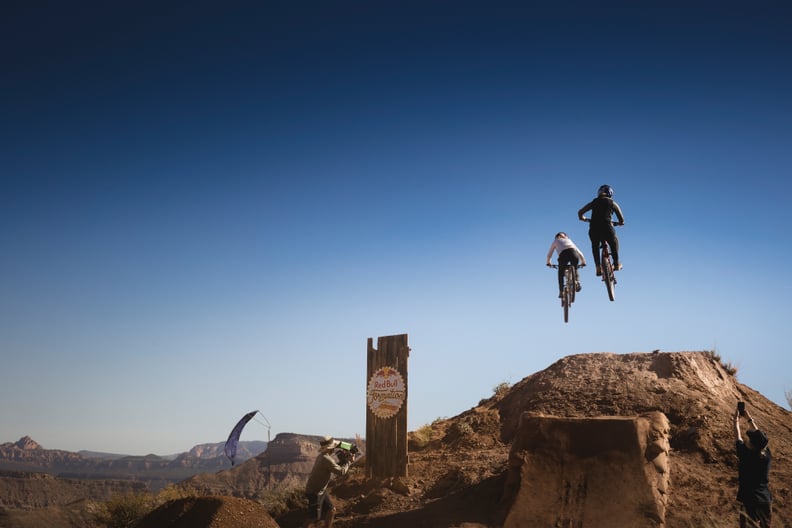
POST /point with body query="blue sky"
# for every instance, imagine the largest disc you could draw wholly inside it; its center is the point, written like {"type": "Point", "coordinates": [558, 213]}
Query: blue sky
{"type": "Point", "coordinates": [208, 209]}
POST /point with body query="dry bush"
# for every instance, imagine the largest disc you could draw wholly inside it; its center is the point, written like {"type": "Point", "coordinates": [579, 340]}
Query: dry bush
{"type": "Point", "coordinates": [283, 500]}
{"type": "Point", "coordinates": [124, 511]}
{"type": "Point", "coordinates": [501, 389]}
{"type": "Point", "coordinates": [730, 368]}
{"type": "Point", "coordinates": [423, 435]}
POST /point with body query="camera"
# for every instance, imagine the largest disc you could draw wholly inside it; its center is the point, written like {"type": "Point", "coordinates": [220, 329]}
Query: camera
{"type": "Point", "coordinates": [346, 451]}
{"type": "Point", "coordinates": [741, 408]}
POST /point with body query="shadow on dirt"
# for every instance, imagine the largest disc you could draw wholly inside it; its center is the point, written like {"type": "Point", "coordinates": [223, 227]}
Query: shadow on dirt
{"type": "Point", "coordinates": [475, 504]}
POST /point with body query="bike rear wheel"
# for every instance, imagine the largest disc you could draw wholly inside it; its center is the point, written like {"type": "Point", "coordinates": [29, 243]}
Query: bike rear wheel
{"type": "Point", "coordinates": [571, 284]}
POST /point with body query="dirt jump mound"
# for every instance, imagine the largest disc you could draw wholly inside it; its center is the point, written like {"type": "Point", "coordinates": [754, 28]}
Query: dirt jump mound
{"type": "Point", "coordinates": [575, 472]}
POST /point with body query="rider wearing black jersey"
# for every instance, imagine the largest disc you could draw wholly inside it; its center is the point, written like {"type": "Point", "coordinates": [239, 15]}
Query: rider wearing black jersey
{"type": "Point", "coordinates": [601, 225]}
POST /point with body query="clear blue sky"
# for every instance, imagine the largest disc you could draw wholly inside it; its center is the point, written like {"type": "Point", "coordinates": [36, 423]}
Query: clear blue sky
{"type": "Point", "coordinates": [208, 209]}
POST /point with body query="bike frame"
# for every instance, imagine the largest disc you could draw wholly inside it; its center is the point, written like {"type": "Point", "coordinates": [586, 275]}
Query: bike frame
{"type": "Point", "coordinates": [568, 290]}
{"type": "Point", "coordinates": [606, 265]}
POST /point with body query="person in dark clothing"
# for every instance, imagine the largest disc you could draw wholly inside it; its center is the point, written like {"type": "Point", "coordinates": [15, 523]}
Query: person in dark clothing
{"type": "Point", "coordinates": [601, 225]}
{"type": "Point", "coordinates": [753, 474]}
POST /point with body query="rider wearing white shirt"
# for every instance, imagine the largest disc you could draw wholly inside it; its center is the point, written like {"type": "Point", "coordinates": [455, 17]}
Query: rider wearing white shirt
{"type": "Point", "coordinates": [568, 255]}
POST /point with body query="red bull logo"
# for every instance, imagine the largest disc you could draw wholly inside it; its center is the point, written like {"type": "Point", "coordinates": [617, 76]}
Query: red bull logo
{"type": "Point", "coordinates": [386, 392]}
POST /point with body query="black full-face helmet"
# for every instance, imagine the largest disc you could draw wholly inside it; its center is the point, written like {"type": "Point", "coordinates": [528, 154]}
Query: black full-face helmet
{"type": "Point", "coordinates": [605, 190]}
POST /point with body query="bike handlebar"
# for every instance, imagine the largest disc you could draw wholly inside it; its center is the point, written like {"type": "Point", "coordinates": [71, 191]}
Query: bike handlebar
{"type": "Point", "coordinates": [555, 266]}
{"type": "Point", "coordinates": [584, 219]}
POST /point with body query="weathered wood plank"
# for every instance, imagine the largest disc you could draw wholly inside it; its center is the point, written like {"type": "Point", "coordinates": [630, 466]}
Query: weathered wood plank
{"type": "Point", "coordinates": [386, 409]}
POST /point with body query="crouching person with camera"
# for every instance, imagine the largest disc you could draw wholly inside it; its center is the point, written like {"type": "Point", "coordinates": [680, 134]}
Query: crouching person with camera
{"type": "Point", "coordinates": [320, 507]}
{"type": "Point", "coordinates": [753, 473]}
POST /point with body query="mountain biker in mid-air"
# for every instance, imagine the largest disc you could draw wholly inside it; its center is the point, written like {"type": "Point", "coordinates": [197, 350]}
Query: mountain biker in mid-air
{"type": "Point", "coordinates": [568, 255]}
{"type": "Point", "coordinates": [601, 225]}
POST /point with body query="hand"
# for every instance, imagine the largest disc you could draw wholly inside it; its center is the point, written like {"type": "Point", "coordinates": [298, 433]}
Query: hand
{"type": "Point", "coordinates": [583, 265]}
{"type": "Point", "coordinates": [584, 219]}
{"type": "Point", "coordinates": [549, 265]}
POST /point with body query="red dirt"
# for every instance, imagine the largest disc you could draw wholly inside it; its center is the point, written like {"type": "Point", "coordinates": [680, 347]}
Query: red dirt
{"type": "Point", "coordinates": [457, 478]}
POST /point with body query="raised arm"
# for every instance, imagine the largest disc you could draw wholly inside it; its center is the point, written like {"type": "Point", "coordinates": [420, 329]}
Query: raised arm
{"type": "Point", "coordinates": [586, 208]}
{"type": "Point", "coordinates": [550, 252]}
{"type": "Point", "coordinates": [619, 215]}
{"type": "Point", "coordinates": [737, 434]}
{"type": "Point", "coordinates": [581, 257]}
{"type": "Point", "coordinates": [751, 421]}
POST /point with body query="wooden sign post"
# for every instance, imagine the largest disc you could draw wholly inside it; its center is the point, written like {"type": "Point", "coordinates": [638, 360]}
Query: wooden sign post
{"type": "Point", "coordinates": [386, 407]}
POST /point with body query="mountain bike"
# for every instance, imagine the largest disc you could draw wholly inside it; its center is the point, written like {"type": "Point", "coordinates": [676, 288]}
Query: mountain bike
{"type": "Point", "coordinates": [606, 265]}
{"type": "Point", "coordinates": [569, 289]}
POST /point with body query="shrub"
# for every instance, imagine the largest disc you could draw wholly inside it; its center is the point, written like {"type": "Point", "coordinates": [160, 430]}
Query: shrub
{"type": "Point", "coordinates": [730, 369]}
{"type": "Point", "coordinates": [124, 511]}
{"type": "Point", "coordinates": [281, 501]}
{"type": "Point", "coordinates": [423, 435]}
{"type": "Point", "coordinates": [174, 492]}
{"type": "Point", "coordinates": [501, 389]}
{"type": "Point", "coordinates": [459, 430]}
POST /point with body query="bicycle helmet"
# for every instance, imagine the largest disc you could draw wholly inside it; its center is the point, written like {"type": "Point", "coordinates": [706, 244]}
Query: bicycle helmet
{"type": "Point", "coordinates": [605, 190]}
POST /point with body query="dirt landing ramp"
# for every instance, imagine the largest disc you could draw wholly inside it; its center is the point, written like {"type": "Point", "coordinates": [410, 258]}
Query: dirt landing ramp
{"type": "Point", "coordinates": [588, 472]}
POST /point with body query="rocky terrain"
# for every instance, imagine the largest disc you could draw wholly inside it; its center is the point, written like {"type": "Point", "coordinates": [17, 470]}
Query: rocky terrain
{"type": "Point", "coordinates": [33, 477]}
{"type": "Point", "coordinates": [474, 469]}
{"type": "Point", "coordinates": [28, 455]}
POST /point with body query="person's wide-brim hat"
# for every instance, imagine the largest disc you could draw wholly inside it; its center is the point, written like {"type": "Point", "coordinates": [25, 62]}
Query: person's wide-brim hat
{"type": "Point", "coordinates": [328, 443]}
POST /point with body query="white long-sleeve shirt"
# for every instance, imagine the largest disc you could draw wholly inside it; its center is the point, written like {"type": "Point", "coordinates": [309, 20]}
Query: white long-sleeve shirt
{"type": "Point", "coordinates": [560, 244]}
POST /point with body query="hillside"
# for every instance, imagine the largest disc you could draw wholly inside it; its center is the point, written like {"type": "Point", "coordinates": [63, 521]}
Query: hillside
{"type": "Point", "coordinates": [459, 475]}
{"type": "Point", "coordinates": [462, 468]}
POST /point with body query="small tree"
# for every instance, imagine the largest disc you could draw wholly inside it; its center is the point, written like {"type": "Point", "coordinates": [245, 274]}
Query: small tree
{"type": "Point", "coordinates": [788, 394]}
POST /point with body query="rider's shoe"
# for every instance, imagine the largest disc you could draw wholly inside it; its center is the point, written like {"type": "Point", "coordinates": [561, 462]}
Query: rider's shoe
{"type": "Point", "coordinates": [577, 287]}
{"type": "Point", "coordinates": [618, 266]}
{"type": "Point", "coordinates": [599, 271]}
